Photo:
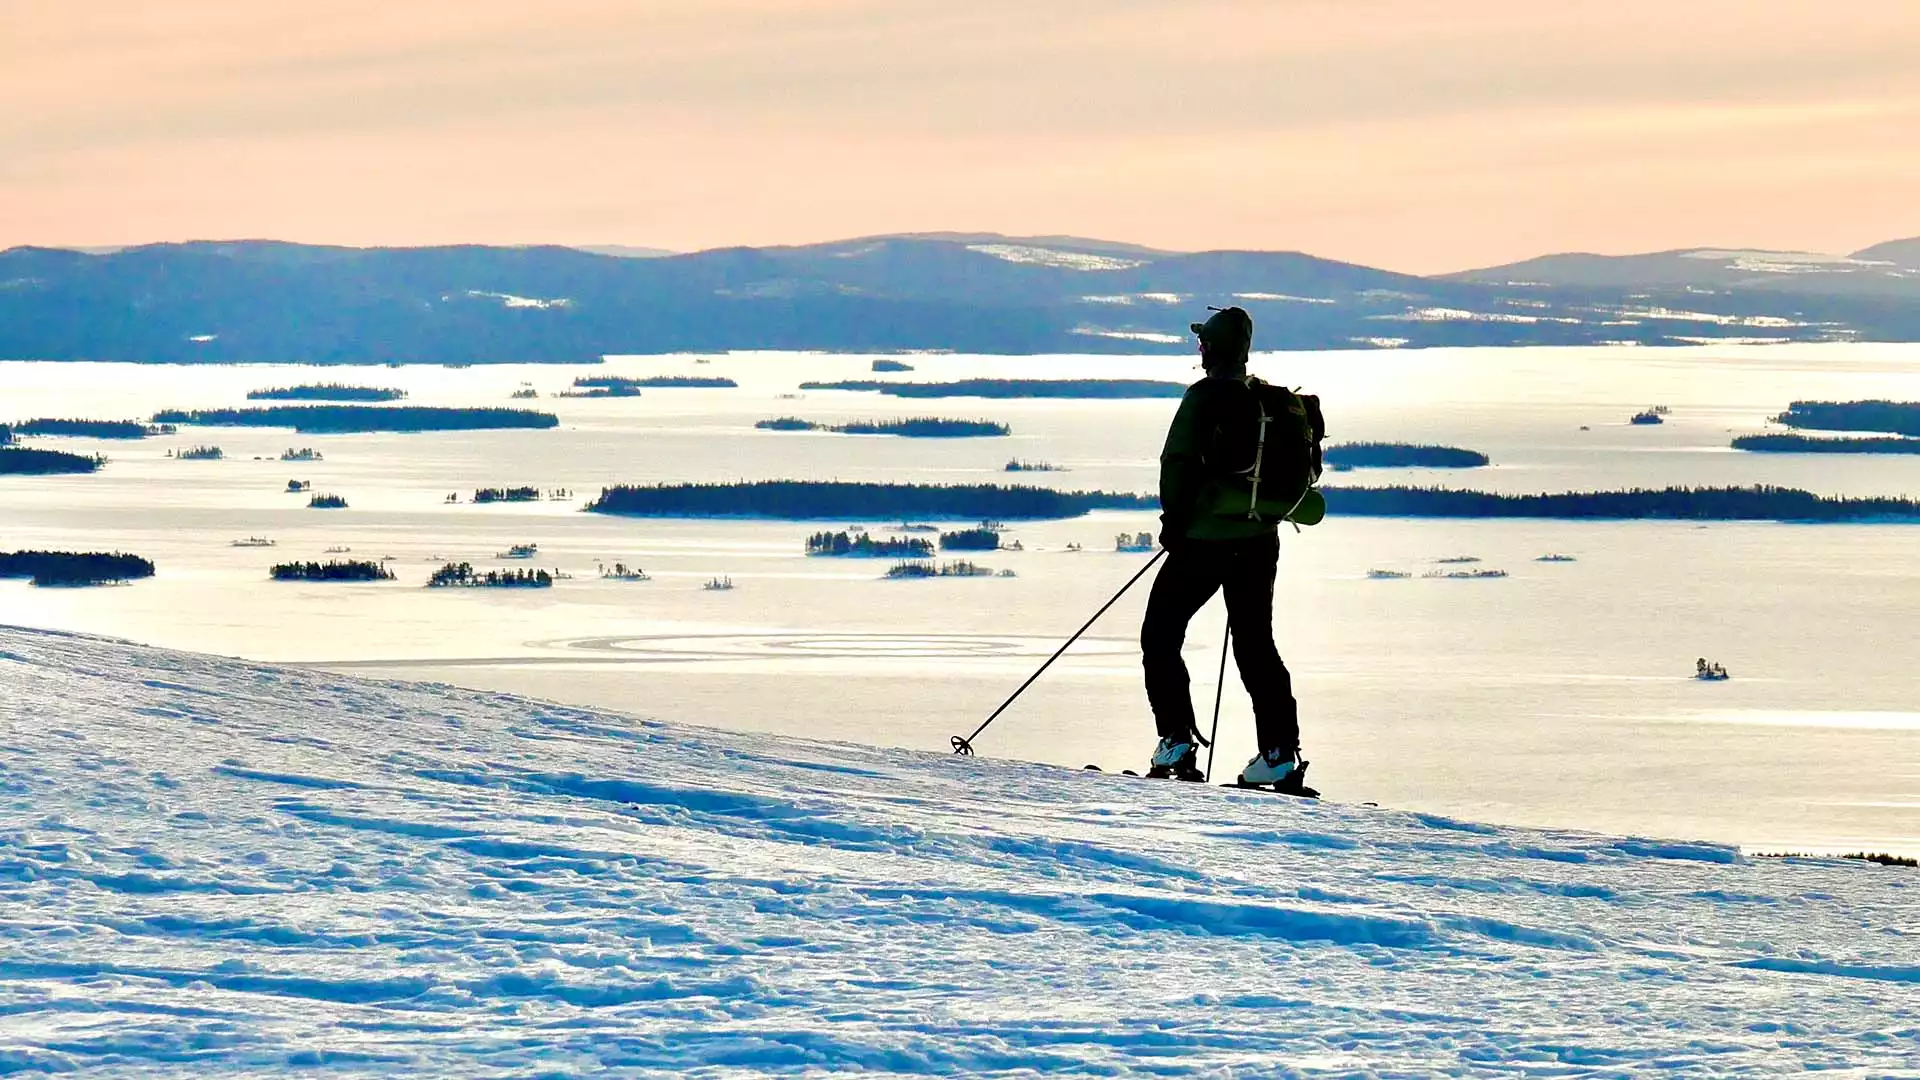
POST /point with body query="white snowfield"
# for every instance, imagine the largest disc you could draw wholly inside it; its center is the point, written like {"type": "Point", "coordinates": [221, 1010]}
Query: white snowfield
{"type": "Point", "coordinates": [212, 867]}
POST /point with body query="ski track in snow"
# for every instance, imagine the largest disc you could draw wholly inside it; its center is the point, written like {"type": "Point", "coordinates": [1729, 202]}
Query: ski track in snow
{"type": "Point", "coordinates": [214, 866]}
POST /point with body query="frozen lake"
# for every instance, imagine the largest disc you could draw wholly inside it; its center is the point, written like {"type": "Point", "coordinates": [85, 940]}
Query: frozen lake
{"type": "Point", "coordinates": [1558, 696]}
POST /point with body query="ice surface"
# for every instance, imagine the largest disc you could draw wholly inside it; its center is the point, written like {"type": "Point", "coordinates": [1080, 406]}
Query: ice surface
{"type": "Point", "coordinates": [213, 867]}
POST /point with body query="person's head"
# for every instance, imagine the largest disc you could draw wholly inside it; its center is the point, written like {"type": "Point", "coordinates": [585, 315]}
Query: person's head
{"type": "Point", "coordinates": [1225, 338]}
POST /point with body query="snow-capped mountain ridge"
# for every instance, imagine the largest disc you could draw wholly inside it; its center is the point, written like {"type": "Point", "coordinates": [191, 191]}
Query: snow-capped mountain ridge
{"type": "Point", "coordinates": [213, 866]}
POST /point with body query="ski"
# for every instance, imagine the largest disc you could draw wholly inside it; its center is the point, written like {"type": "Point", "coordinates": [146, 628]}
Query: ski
{"type": "Point", "coordinates": [1303, 792]}
{"type": "Point", "coordinates": [1297, 789]}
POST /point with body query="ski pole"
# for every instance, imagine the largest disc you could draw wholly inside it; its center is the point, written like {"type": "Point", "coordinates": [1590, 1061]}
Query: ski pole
{"type": "Point", "coordinates": [964, 746]}
{"type": "Point", "coordinates": [1219, 688]}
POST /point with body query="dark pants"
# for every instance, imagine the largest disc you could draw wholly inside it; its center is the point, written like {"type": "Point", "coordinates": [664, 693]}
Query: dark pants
{"type": "Point", "coordinates": [1245, 570]}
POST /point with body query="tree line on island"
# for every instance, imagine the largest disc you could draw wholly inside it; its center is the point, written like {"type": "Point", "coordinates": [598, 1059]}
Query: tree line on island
{"type": "Point", "coordinates": [1807, 444]}
{"type": "Point", "coordinates": [326, 392]}
{"type": "Point", "coordinates": [1011, 388]}
{"type": "Point", "coordinates": [919, 427]}
{"type": "Point", "coordinates": [1759, 503]}
{"type": "Point", "coordinates": [980, 539]}
{"type": "Point", "coordinates": [609, 382]}
{"type": "Point", "coordinates": [29, 461]}
{"type": "Point", "coordinates": [962, 568]}
{"type": "Point", "coordinates": [1894, 426]}
{"type": "Point", "coordinates": [331, 570]}
{"type": "Point", "coordinates": [463, 575]}
{"type": "Point", "coordinates": [93, 429]}
{"type": "Point", "coordinates": [864, 546]}
{"type": "Point", "coordinates": [610, 386]}
{"type": "Point", "coordinates": [1895, 417]}
{"type": "Point", "coordinates": [73, 568]}
{"type": "Point", "coordinates": [801, 500]}
{"type": "Point", "coordinates": [340, 419]}
{"type": "Point", "coordinates": [1392, 455]}
{"type": "Point", "coordinates": [451, 575]}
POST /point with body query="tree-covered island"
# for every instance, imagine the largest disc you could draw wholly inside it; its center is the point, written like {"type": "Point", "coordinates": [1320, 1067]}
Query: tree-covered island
{"type": "Point", "coordinates": [1012, 388]}
{"type": "Point", "coordinates": [327, 502]}
{"type": "Point", "coordinates": [462, 575]}
{"type": "Point", "coordinates": [891, 365]}
{"type": "Point", "coordinates": [1809, 444]}
{"type": "Point", "coordinates": [980, 539]}
{"type": "Point", "coordinates": [506, 494]}
{"type": "Point", "coordinates": [659, 382]}
{"type": "Point", "coordinates": [326, 392]}
{"type": "Point", "coordinates": [339, 419]}
{"type": "Point", "coordinates": [331, 570]}
{"type": "Point", "coordinates": [93, 429]}
{"type": "Point", "coordinates": [1891, 417]}
{"type": "Point", "coordinates": [804, 500]}
{"type": "Point", "coordinates": [66, 568]}
{"type": "Point", "coordinates": [807, 500]}
{"type": "Point", "coordinates": [919, 427]}
{"type": "Point", "coordinates": [864, 546]}
{"type": "Point", "coordinates": [962, 568]}
{"type": "Point", "coordinates": [608, 387]}
{"type": "Point", "coordinates": [198, 453]}
{"type": "Point", "coordinates": [27, 461]}
{"type": "Point", "coordinates": [1763, 503]}
{"type": "Point", "coordinates": [1392, 455]}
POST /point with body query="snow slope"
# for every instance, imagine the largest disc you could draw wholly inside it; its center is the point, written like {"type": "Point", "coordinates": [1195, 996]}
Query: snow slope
{"type": "Point", "coordinates": [210, 866]}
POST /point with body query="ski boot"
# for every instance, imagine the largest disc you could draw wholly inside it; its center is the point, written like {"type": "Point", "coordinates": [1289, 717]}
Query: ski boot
{"type": "Point", "coordinates": [1174, 761]}
{"type": "Point", "coordinates": [1278, 770]}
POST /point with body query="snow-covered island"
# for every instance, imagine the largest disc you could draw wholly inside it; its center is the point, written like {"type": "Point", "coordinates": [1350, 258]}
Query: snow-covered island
{"type": "Point", "coordinates": [213, 868]}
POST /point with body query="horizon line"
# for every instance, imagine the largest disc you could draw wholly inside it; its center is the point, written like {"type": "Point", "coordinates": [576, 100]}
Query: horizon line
{"type": "Point", "coordinates": [939, 235]}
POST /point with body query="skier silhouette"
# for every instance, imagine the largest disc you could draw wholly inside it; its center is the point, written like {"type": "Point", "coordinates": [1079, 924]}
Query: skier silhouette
{"type": "Point", "coordinates": [1214, 544]}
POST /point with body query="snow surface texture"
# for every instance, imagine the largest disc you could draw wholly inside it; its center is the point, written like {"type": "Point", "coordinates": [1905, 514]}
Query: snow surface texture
{"type": "Point", "coordinates": [209, 866]}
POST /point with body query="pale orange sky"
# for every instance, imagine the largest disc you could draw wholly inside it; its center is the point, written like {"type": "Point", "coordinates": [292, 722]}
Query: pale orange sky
{"type": "Point", "coordinates": [1419, 135]}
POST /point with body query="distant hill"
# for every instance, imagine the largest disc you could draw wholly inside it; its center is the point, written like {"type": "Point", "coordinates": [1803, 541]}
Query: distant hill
{"type": "Point", "coordinates": [1712, 268]}
{"type": "Point", "coordinates": [272, 301]}
{"type": "Point", "coordinates": [1901, 253]}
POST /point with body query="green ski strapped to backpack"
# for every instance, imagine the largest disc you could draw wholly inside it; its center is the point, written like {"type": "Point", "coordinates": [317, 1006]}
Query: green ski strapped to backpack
{"type": "Point", "coordinates": [1265, 452]}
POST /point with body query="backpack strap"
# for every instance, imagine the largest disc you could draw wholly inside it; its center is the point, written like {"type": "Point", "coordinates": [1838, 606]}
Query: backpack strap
{"type": "Point", "coordinates": [1259, 447]}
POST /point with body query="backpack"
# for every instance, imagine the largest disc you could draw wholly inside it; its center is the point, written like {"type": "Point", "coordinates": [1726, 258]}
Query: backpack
{"type": "Point", "coordinates": [1265, 449]}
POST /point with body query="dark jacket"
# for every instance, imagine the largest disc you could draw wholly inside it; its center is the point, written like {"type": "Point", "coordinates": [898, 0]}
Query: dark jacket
{"type": "Point", "coordinates": [1194, 502]}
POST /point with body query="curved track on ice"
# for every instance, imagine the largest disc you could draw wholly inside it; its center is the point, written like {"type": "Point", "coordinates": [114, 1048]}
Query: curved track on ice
{"type": "Point", "coordinates": [209, 866]}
